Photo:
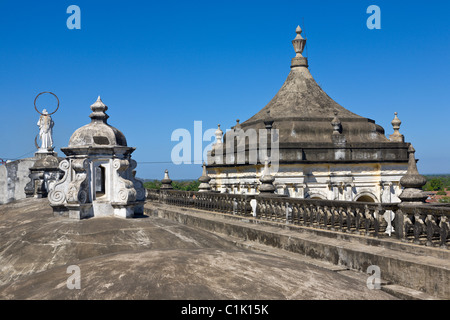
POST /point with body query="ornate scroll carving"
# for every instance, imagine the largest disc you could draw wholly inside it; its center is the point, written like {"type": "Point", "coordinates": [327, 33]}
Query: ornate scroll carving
{"type": "Point", "coordinates": [78, 191]}
{"type": "Point", "coordinates": [126, 192]}
{"type": "Point", "coordinates": [57, 189]}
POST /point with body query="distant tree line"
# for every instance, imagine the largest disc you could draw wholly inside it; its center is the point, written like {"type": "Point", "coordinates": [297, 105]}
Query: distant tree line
{"type": "Point", "coordinates": [186, 185]}
{"type": "Point", "coordinates": [437, 183]}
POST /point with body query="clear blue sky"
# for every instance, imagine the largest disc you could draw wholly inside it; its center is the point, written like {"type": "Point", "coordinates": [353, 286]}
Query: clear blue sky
{"type": "Point", "coordinates": [162, 65]}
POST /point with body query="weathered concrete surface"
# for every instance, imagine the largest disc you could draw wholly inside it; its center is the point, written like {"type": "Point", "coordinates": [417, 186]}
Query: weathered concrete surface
{"type": "Point", "coordinates": [418, 268]}
{"type": "Point", "coordinates": [13, 179]}
{"type": "Point", "coordinates": [149, 258]}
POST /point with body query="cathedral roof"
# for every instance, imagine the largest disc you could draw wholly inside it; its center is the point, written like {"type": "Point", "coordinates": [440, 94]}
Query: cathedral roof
{"type": "Point", "coordinates": [303, 112]}
{"type": "Point", "coordinates": [311, 126]}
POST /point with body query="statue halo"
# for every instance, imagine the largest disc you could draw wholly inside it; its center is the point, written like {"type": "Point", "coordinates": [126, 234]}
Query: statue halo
{"type": "Point", "coordinates": [48, 114]}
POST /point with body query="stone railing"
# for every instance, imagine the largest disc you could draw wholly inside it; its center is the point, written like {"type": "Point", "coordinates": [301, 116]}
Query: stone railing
{"type": "Point", "coordinates": [424, 224]}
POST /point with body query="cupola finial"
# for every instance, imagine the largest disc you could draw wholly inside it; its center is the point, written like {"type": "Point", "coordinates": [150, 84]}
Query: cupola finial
{"type": "Point", "coordinates": [336, 123]}
{"type": "Point", "coordinates": [396, 136]}
{"type": "Point", "coordinates": [299, 45]}
{"type": "Point", "coordinates": [98, 111]}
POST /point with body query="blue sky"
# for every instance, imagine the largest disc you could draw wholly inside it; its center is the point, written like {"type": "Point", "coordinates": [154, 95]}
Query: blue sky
{"type": "Point", "coordinates": [160, 66]}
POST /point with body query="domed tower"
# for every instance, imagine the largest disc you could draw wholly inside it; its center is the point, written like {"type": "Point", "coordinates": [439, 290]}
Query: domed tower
{"type": "Point", "coordinates": [99, 177]}
{"type": "Point", "coordinates": [316, 147]}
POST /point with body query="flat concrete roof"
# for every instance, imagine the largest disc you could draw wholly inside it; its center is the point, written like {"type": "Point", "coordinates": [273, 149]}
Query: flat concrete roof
{"type": "Point", "coordinates": [150, 258]}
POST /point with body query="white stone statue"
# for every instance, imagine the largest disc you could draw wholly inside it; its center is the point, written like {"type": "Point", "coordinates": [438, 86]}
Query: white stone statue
{"type": "Point", "coordinates": [45, 124]}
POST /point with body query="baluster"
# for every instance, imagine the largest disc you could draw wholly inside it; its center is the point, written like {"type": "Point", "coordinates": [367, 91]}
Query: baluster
{"type": "Point", "coordinates": [244, 205]}
{"type": "Point", "coordinates": [289, 210]}
{"type": "Point", "coordinates": [301, 213]}
{"type": "Point", "coordinates": [350, 218]}
{"type": "Point", "coordinates": [270, 208]}
{"type": "Point", "coordinates": [408, 225]}
{"type": "Point", "coordinates": [358, 219]}
{"type": "Point", "coordinates": [279, 214]}
{"type": "Point", "coordinates": [198, 201]}
{"type": "Point", "coordinates": [276, 210]}
{"type": "Point", "coordinates": [215, 204]}
{"type": "Point", "coordinates": [341, 218]}
{"type": "Point", "coordinates": [418, 228]}
{"type": "Point", "coordinates": [367, 219]}
{"type": "Point", "coordinates": [323, 218]}
{"type": "Point", "coordinates": [265, 209]}
{"type": "Point", "coordinates": [312, 213]}
{"type": "Point", "coordinates": [431, 226]}
{"type": "Point", "coordinates": [207, 202]}
{"type": "Point", "coordinates": [318, 216]}
{"type": "Point", "coordinates": [444, 227]}
{"type": "Point", "coordinates": [376, 222]}
{"type": "Point", "coordinates": [402, 224]}
{"type": "Point", "coordinates": [261, 206]}
{"type": "Point", "coordinates": [194, 199]}
{"type": "Point", "coordinates": [295, 213]}
{"type": "Point", "coordinates": [332, 217]}
{"type": "Point", "coordinates": [306, 215]}
{"type": "Point", "coordinates": [326, 217]}
{"type": "Point", "coordinates": [239, 206]}
{"type": "Point", "coordinates": [226, 202]}
{"type": "Point", "coordinates": [222, 203]}
{"type": "Point", "coordinates": [273, 214]}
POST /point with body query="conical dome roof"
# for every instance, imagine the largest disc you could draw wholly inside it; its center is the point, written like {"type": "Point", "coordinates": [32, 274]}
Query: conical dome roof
{"type": "Point", "coordinates": [303, 112]}
{"type": "Point", "coordinates": [311, 126]}
{"type": "Point", "coordinates": [301, 97]}
{"type": "Point", "coordinates": [98, 133]}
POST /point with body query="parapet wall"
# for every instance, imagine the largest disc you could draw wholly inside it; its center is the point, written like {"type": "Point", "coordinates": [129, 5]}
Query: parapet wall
{"type": "Point", "coordinates": [428, 272]}
{"type": "Point", "coordinates": [14, 178]}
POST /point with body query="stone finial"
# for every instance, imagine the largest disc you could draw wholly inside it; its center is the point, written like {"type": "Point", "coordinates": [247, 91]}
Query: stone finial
{"type": "Point", "coordinates": [396, 136]}
{"type": "Point", "coordinates": [166, 182]}
{"type": "Point", "coordinates": [98, 111]}
{"type": "Point", "coordinates": [299, 42]}
{"type": "Point", "coordinates": [204, 181]}
{"type": "Point", "coordinates": [266, 180]}
{"type": "Point", "coordinates": [336, 123]}
{"type": "Point", "coordinates": [219, 134]}
{"type": "Point", "coordinates": [299, 45]}
{"type": "Point", "coordinates": [268, 121]}
{"type": "Point", "coordinates": [412, 182]}
{"type": "Point", "coordinates": [238, 125]}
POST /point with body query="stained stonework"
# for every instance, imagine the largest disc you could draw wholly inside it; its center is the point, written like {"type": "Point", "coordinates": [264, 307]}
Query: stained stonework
{"type": "Point", "coordinates": [99, 176]}
{"type": "Point", "coordinates": [44, 171]}
{"type": "Point", "coordinates": [14, 176]}
{"type": "Point", "coordinates": [319, 148]}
